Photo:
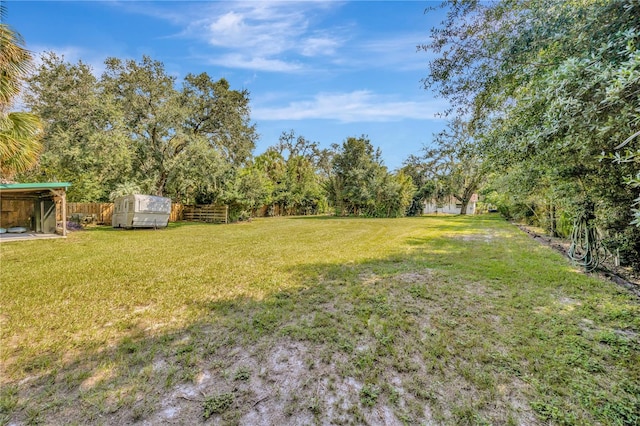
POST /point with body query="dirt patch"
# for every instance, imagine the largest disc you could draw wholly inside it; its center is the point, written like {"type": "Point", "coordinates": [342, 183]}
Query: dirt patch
{"type": "Point", "coordinates": [285, 385]}
{"type": "Point", "coordinates": [485, 237]}
{"type": "Point", "coordinates": [368, 278]}
{"type": "Point", "coordinates": [628, 334]}
{"type": "Point", "coordinates": [589, 327]}
{"type": "Point", "coordinates": [567, 301]}
{"type": "Point", "coordinates": [97, 377]}
{"type": "Point", "coordinates": [422, 276]}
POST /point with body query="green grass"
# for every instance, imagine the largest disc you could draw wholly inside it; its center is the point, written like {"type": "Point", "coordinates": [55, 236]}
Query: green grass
{"type": "Point", "coordinates": [449, 320]}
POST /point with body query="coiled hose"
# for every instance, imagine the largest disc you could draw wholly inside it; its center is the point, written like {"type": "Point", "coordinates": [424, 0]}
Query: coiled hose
{"type": "Point", "coordinates": [585, 242]}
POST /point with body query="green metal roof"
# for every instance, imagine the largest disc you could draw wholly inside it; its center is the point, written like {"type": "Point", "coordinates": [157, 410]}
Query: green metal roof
{"type": "Point", "coordinates": [33, 186]}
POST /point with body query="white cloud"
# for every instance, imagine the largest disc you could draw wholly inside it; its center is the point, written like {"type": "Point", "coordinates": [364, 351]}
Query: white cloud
{"type": "Point", "coordinates": [356, 106]}
{"type": "Point", "coordinates": [251, 30]}
{"type": "Point", "coordinates": [255, 63]}
{"type": "Point", "coordinates": [264, 34]}
{"type": "Point", "coordinates": [398, 52]}
{"type": "Point", "coordinates": [315, 46]}
{"type": "Point", "coordinates": [280, 36]}
{"type": "Point", "coordinates": [228, 23]}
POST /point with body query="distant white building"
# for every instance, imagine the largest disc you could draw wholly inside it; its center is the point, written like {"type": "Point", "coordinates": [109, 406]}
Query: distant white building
{"type": "Point", "coordinates": [450, 205]}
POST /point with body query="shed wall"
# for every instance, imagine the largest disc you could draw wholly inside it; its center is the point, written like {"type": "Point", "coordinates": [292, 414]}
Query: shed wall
{"type": "Point", "coordinates": [16, 213]}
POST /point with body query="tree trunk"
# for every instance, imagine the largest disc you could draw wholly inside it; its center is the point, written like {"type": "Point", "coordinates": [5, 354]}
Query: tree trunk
{"type": "Point", "coordinates": [553, 225]}
{"type": "Point", "coordinates": [466, 198]}
{"type": "Point", "coordinates": [162, 180]}
{"type": "Point", "coordinates": [465, 203]}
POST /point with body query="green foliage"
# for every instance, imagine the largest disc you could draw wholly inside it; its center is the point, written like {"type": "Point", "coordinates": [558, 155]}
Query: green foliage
{"type": "Point", "coordinates": [360, 185]}
{"type": "Point", "coordinates": [356, 168]}
{"type": "Point", "coordinates": [630, 156]}
{"type": "Point", "coordinates": [242, 374]}
{"type": "Point", "coordinates": [149, 102]}
{"type": "Point", "coordinates": [250, 191]}
{"type": "Point", "coordinates": [293, 169]}
{"type": "Point", "coordinates": [126, 188]}
{"type": "Point", "coordinates": [394, 195]}
{"type": "Point", "coordinates": [132, 129]}
{"type": "Point", "coordinates": [200, 174]}
{"type": "Point", "coordinates": [422, 179]}
{"type": "Point", "coordinates": [15, 62]}
{"type": "Point", "coordinates": [220, 115]}
{"type": "Point", "coordinates": [133, 125]}
{"type": "Point", "coordinates": [8, 400]}
{"type": "Point", "coordinates": [454, 167]}
{"type": "Point", "coordinates": [549, 87]}
{"type": "Point", "coordinates": [85, 142]}
{"type": "Point", "coordinates": [217, 404]}
{"type": "Point", "coordinates": [20, 135]}
{"type": "Point", "coordinates": [369, 394]}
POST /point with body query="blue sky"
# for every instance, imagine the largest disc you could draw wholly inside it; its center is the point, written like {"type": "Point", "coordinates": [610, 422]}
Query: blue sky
{"type": "Point", "coordinates": [325, 69]}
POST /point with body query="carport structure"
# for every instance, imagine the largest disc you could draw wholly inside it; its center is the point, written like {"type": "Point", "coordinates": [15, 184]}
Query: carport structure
{"type": "Point", "coordinates": [39, 207]}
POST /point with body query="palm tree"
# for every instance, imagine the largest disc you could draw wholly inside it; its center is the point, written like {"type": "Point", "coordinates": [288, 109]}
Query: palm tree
{"type": "Point", "coordinates": [20, 146]}
{"type": "Point", "coordinates": [20, 132]}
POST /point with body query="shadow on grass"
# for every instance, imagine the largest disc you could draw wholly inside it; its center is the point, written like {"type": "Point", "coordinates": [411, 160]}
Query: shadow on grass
{"type": "Point", "coordinates": [405, 332]}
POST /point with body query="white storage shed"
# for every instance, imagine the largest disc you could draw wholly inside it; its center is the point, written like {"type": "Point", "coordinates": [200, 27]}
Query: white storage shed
{"type": "Point", "coordinates": [449, 205]}
{"type": "Point", "coordinates": [141, 211]}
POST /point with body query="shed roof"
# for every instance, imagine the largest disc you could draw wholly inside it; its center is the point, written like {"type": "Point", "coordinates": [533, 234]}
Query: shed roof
{"type": "Point", "coordinates": [36, 186]}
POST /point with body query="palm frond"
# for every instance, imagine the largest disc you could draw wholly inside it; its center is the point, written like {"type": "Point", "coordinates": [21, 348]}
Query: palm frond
{"type": "Point", "coordinates": [15, 63]}
{"type": "Point", "coordinates": [20, 146]}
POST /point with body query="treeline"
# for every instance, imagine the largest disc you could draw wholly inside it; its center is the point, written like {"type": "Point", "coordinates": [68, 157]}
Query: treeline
{"type": "Point", "coordinates": [549, 92]}
{"type": "Point", "coordinates": [135, 129]}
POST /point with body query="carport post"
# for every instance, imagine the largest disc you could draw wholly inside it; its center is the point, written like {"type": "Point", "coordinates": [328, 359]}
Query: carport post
{"type": "Point", "coordinates": [64, 213]}
{"type": "Point", "coordinates": [61, 195]}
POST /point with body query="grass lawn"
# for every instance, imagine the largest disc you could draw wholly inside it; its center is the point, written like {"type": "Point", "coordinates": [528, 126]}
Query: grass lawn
{"type": "Point", "coordinates": [433, 320]}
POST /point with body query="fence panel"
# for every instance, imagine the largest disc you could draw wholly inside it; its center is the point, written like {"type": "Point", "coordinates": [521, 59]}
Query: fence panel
{"type": "Point", "coordinates": [100, 212]}
{"type": "Point", "coordinates": [206, 213]}
{"type": "Point", "coordinates": [176, 212]}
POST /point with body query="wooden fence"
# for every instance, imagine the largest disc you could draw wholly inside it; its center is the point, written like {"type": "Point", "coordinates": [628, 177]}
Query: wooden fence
{"type": "Point", "coordinates": [206, 213]}
{"type": "Point", "coordinates": [176, 212]}
{"type": "Point", "coordinates": [101, 213]}
{"type": "Point", "coordinates": [276, 210]}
